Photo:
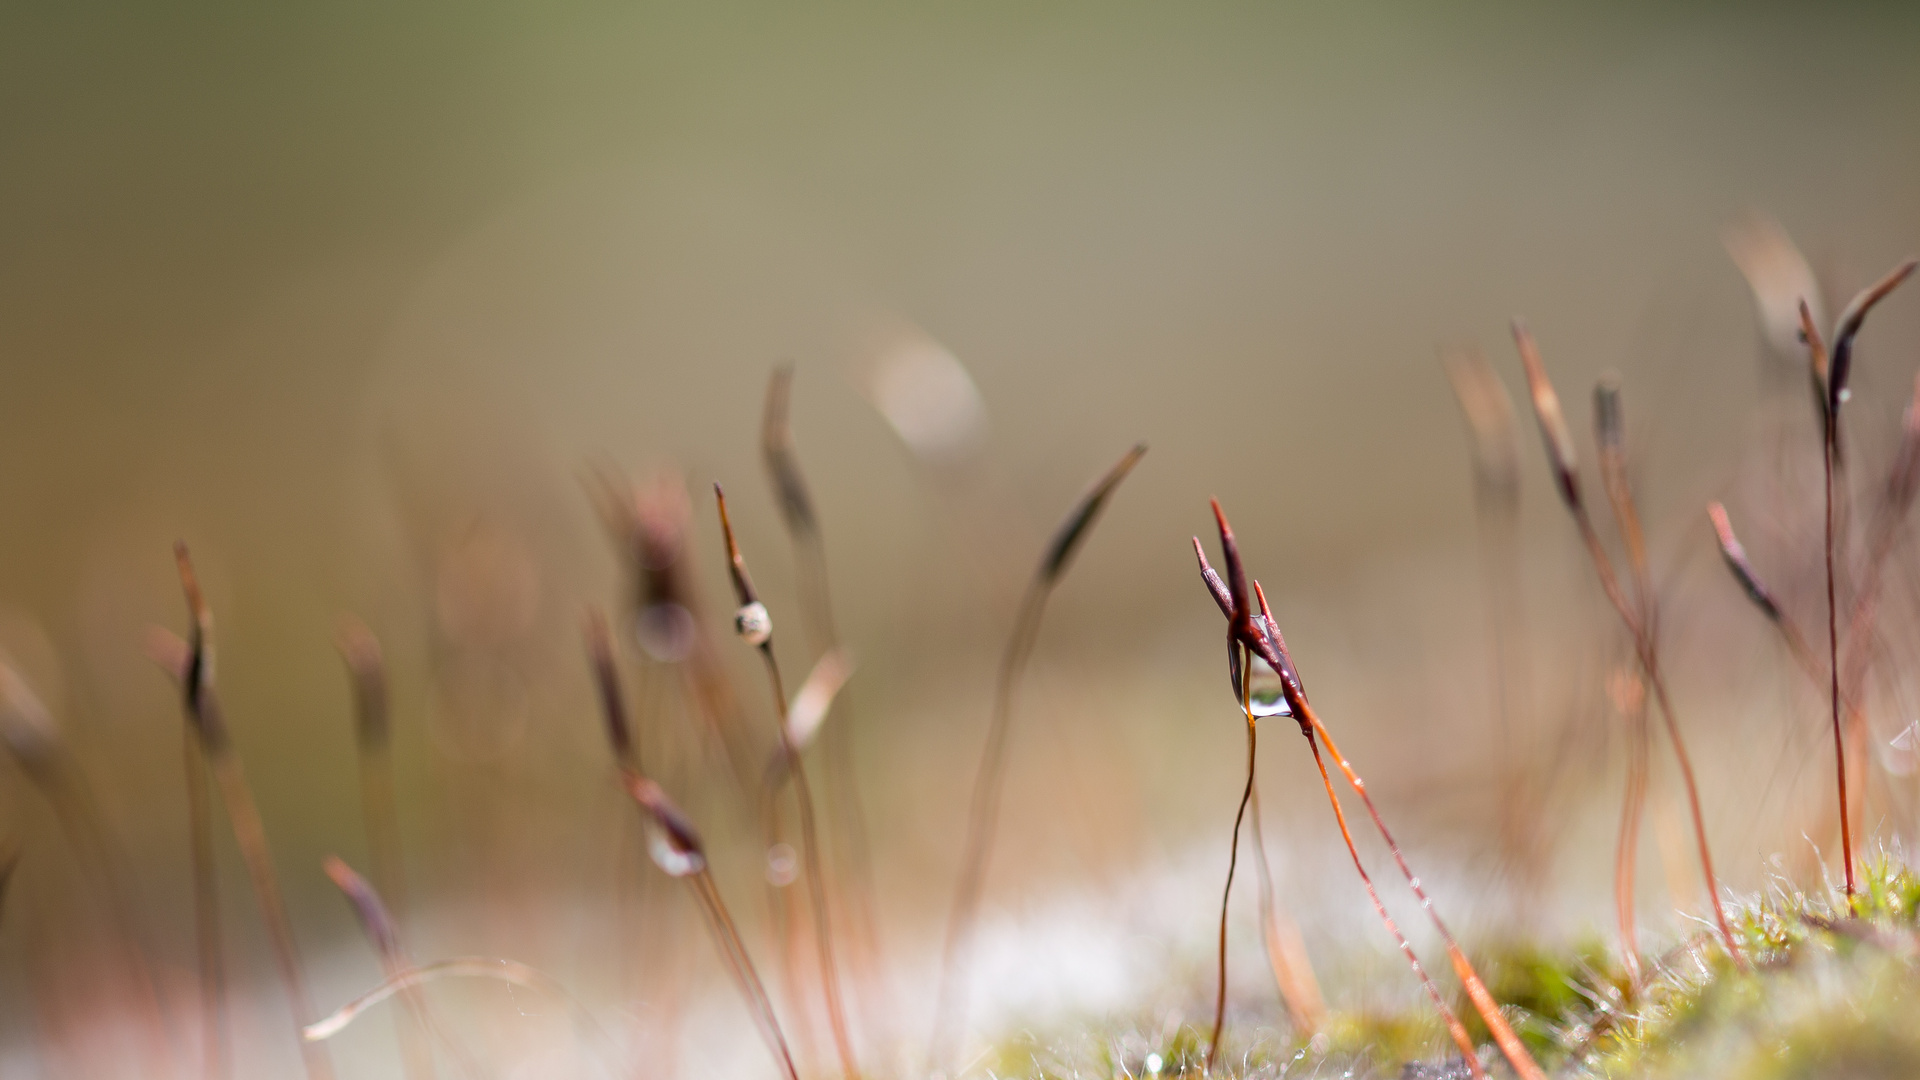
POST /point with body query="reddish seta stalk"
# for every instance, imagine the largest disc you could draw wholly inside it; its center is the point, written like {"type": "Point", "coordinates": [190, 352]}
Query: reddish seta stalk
{"type": "Point", "coordinates": [1259, 635]}
{"type": "Point", "coordinates": [1833, 653]}
{"type": "Point", "coordinates": [1233, 861]}
{"type": "Point", "coordinates": [1560, 454]}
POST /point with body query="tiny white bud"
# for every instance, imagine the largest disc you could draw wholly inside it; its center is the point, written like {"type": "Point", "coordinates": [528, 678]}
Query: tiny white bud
{"type": "Point", "coordinates": [753, 624]}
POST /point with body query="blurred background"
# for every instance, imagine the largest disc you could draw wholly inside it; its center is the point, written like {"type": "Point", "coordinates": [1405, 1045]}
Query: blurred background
{"type": "Point", "coordinates": [366, 303]}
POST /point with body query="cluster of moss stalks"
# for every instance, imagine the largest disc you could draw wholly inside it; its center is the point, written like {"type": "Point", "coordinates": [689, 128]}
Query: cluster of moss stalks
{"type": "Point", "coordinates": [1831, 994]}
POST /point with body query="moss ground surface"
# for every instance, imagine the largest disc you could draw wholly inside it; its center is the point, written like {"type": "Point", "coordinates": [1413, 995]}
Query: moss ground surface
{"type": "Point", "coordinates": [1829, 993]}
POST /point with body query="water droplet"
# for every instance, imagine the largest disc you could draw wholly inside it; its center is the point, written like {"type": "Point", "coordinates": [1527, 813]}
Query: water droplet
{"type": "Point", "coordinates": [1267, 694]}
{"type": "Point", "coordinates": [1154, 1064]}
{"type": "Point", "coordinates": [753, 624]}
{"type": "Point", "coordinates": [675, 859]}
{"type": "Point", "coordinates": [666, 631]}
{"type": "Point", "coordinates": [782, 865]}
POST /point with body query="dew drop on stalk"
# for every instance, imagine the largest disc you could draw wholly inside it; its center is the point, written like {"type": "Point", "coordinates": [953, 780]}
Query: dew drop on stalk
{"type": "Point", "coordinates": [675, 858]}
{"type": "Point", "coordinates": [1266, 694]}
{"type": "Point", "coordinates": [753, 624]}
{"type": "Point", "coordinates": [671, 841]}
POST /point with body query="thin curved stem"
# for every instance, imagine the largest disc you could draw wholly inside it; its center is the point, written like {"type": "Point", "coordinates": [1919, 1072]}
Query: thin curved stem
{"type": "Point", "coordinates": [1833, 654]}
{"type": "Point", "coordinates": [1483, 1002]}
{"type": "Point", "coordinates": [1286, 954]}
{"type": "Point", "coordinates": [206, 913]}
{"type": "Point", "coordinates": [1626, 850]}
{"type": "Point", "coordinates": [845, 813]}
{"type": "Point", "coordinates": [781, 915]}
{"type": "Point", "coordinates": [1233, 860]}
{"type": "Point", "coordinates": [983, 814]}
{"type": "Point", "coordinates": [816, 876]}
{"type": "Point", "coordinates": [48, 765]}
{"type": "Point", "coordinates": [733, 950]}
{"type": "Point", "coordinates": [471, 967]}
{"type": "Point", "coordinates": [250, 836]}
{"type": "Point", "coordinates": [194, 671]}
{"type": "Point", "coordinates": [949, 1016]}
{"type": "Point", "coordinates": [1454, 1027]}
{"type": "Point", "coordinates": [1650, 664]}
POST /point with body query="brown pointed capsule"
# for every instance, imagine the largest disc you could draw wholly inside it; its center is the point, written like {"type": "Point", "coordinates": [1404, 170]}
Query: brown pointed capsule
{"type": "Point", "coordinates": [1610, 436]}
{"type": "Point", "coordinates": [1277, 646]}
{"type": "Point", "coordinates": [606, 680]}
{"type": "Point", "coordinates": [1848, 327]}
{"type": "Point", "coordinates": [776, 446]}
{"type": "Point", "coordinates": [1735, 557]}
{"type": "Point", "coordinates": [196, 678]}
{"type": "Point", "coordinates": [736, 565]}
{"type": "Point", "coordinates": [1608, 428]}
{"type": "Point", "coordinates": [1074, 528]}
{"type": "Point", "coordinates": [1489, 413]}
{"type": "Point", "coordinates": [1256, 632]}
{"type": "Point", "coordinates": [751, 621]}
{"type": "Point", "coordinates": [1241, 619]}
{"type": "Point", "coordinates": [1264, 690]}
{"type": "Point", "coordinates": [361, 652]}
{"type": "Point", "coordinates": [1817, 369]}
{"type": "Point", "coordinates": [367, 906]}
{"type": "Point", "coordinates": [1215, 586]}
{"type": "Point", "coordinates": [1553, 423]}
{"type": "Point", "coordinates": [200, 663]}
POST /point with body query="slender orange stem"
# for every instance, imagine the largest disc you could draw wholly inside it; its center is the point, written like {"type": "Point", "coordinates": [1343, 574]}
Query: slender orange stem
{"type": "Point", "coordinates": [1454, 1027]}
{"type": "Point", "coordinates": [846, 818]}
{"type": "Point", "coordinates": [1559, 445]}
{"type": "Point", "coordinates": [206, 914]}
{"type": "Point", "coordinates": [950, 1008]}
{"type": "Point", "coordinates": [1286, 953]}
{"type": "Point", "coordinates": [1483, 1002]}
{"type": "Point", "coordinates": [1833, 654]}
{"type": "Point", "coordinates": [815, 874]}
{"type": "Point", "coordinates": [1650, 664]}
{"type": "Point", "coordinates": [1233, 860]}
{"type": "Point", "coordinates": [733, 951]}
{"type": "Point", "coordinates": [1626, 850]}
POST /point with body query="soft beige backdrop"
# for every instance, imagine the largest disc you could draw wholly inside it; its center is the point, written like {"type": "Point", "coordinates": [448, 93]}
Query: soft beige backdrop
{"type": "Point", "coordinates": [332, 290]}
